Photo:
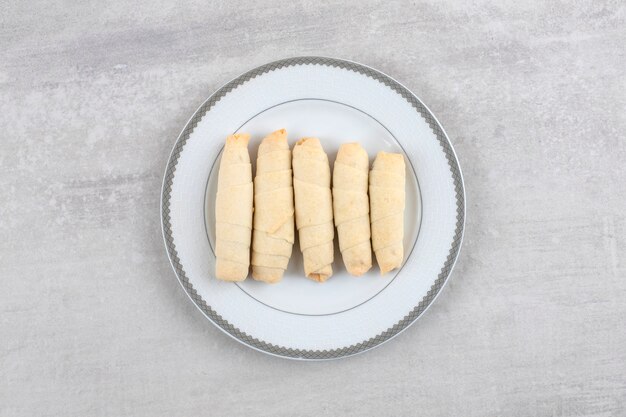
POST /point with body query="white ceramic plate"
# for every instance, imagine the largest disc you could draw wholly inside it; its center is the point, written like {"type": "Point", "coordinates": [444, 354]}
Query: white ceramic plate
{"type": "Point", "coordinates": [338, 101]}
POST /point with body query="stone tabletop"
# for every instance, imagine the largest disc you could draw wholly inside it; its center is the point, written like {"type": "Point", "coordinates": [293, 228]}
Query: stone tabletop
{"type": "Point", "coordinates": [92, 97]}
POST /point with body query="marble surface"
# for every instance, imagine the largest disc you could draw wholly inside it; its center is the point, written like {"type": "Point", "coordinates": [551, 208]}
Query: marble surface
{"type": "Point", "coordinates": [92, 97]}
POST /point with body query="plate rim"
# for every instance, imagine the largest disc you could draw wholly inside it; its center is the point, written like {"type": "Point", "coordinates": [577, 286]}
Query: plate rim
{"type": "Point", "coordinates": [412, 316]}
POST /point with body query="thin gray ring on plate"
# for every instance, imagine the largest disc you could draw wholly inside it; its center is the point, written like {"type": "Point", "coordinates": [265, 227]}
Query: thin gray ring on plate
{"type": "Point", "coordinates": [421, 199]}
{"type": "Point", "coordinates": [411, 316]}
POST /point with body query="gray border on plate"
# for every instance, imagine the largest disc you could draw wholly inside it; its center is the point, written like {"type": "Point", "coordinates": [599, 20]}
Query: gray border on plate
{"type": "Point", "coordinates": [392, 331]}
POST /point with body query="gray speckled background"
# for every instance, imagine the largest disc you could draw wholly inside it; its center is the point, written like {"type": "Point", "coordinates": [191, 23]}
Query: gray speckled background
{"type": "Point", "coordinates": [92, 97]}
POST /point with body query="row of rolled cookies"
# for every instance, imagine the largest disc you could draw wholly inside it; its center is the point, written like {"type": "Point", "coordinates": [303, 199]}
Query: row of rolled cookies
{"type": "Point", "coordinates": [362, 221]}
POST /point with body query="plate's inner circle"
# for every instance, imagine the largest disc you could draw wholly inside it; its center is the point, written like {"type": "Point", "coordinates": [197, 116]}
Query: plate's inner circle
{"type": "Point", "coordinates": [334, 123]}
